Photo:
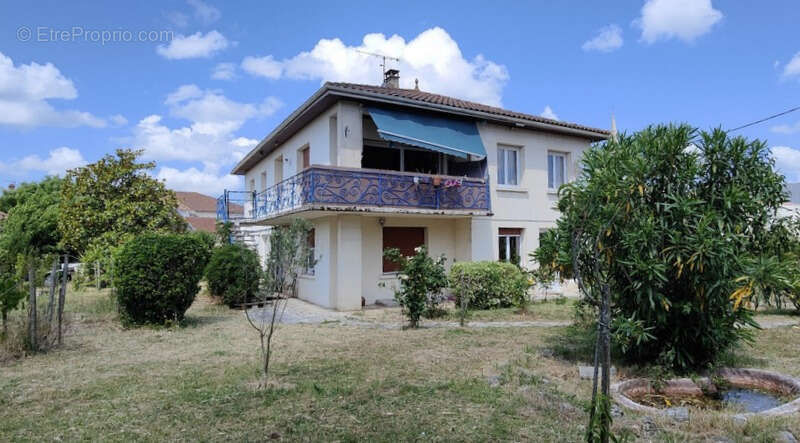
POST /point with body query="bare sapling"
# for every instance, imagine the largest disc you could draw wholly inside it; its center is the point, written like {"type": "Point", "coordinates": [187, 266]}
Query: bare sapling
{"type": "Point", "coordinates": [289, 254]}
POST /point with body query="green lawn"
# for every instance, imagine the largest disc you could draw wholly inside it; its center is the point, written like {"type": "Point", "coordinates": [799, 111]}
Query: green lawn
{"type": "Point", "coordinates": [331, 383]}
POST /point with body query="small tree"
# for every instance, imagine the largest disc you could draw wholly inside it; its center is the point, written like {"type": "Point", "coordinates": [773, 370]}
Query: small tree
{"type": "Point", "coordinates": [422, 280]}
{"type": "Point", "coordinates": [107, 203]}
{"type": "Point", "coordinates": [289, 253]}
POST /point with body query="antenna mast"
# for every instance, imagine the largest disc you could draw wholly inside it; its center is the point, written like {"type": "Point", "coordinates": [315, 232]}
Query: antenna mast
{"type": "Point", "coordinates": [383, 58]}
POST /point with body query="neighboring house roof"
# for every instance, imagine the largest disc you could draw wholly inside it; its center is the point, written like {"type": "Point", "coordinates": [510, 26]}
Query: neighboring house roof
{"type": "Point", "coordinates": [330, 93]}
{"type": "Point", "coordinates": [205, 224]}
{"type": "Point", "coordinates": [197, 202]}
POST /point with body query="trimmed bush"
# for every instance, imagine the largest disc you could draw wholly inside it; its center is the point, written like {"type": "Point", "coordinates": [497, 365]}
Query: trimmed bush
{"type": "Point", "coordinates": [156, 277]}
{"type": "Point", "coordinates": [489, 284]}
{"type": "Point", "coordinates": [233, 274]}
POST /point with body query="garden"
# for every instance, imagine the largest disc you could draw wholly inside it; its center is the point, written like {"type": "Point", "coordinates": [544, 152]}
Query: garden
{"type": "Point", "coordinates": [683, 268]}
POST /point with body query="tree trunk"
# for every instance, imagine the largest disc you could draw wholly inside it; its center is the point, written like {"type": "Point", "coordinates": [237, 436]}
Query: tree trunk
{"type": "Point", "coordinates": [605, 407]}
{"type": "Point", "coordinates": [97, 274]}
{"type": "Point", "coordinates": [62, 294]}
{"type": "Point", "coordinates": [53, 284]}
{"type": "Point", "coordinates": [32, 326]}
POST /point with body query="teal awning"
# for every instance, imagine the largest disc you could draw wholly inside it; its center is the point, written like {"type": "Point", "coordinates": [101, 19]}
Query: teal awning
{"type": "Point", "coordinates": [450, 136]}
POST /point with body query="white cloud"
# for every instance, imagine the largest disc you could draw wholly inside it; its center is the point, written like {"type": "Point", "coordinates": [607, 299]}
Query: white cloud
{"type": "Point", "coordinates": [210, 137]}
{"type": "Point", "coordinates": [56, 163]}
{"type": "Point", "coordinates": [244, 142]}
{"type": "Point", "coordinates": [608, 38]}
{"type": "Point", "coordinates": [25, 91]}
{"type": "Point", "coordinates": [178, 19]}
{"type": "Point", "coordinates": [184, 92]}
{"type": "Point", "coordinates": [193, 46]}
{"type": "Point", "coordinates": [682, 19]}
{"type": "Point", "coordinates": [787, 162]}
{"type": "Point", "coordinates": [433, 57]}
{"type": "Point", "coordinates": [548, 113]}
{"type": "Point", "coordinates": [118, 120]}
{"type": "Point", "coordinates": [792, 68]}
{"type": "Point", "coordinates": [204, 12]}
{"type": "Point", "coordinates": [207, 181]}
{"type": "Point", "coordinates": [265, 66]}
{"type": "Point", "coordinates": [224, 71]}
{"type": "Point", "coordinates": [786, 129]}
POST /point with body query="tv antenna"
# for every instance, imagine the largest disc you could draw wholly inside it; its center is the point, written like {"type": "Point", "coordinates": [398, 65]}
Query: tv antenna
{"type": "Point", "coordinates": [383, 58]}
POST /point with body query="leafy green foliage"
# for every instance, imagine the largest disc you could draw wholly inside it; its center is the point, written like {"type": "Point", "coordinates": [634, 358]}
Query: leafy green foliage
{"type": "Point", "coordinates": [665, 221]}
{"type": "Point", "coordinates": [31, 227]}
{"type": "Point", "coordinates": [108, 202]}
{"type": "Point", "coordinates": [10, 296]}
{"type": "Point", "coordinates": [422, 280]}
{"type": "Point", "coordinates": [233, 274]}
{"type": "Point", "coordinates": [489, 284]}
{"type": "Point", "coordinates": [156, 277]}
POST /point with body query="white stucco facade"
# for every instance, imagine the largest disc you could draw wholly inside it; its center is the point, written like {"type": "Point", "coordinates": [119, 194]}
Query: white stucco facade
{"type": "Point", "coordinates": [348, 245]}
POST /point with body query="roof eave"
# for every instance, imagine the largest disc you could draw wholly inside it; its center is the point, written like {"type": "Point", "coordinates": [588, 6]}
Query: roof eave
{"type": "Point", "coordinates": [328, 89]}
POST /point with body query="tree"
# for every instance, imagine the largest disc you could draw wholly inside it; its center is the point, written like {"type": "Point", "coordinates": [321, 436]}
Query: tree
{"type": "Point", "coordinates": [10, 296]}
{"type": "Point", "coordinates": [289, 253]}
{"type": "Point", "coordinates": [31, 226]}
{"type": "Point", "coordinates": [658, 230]}
{"type": "Point", "coordinates": [108, 202]}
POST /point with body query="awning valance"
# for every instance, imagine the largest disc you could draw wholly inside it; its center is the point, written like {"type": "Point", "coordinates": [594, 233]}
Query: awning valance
{"type": "Point", "coordinates": [450, 136]}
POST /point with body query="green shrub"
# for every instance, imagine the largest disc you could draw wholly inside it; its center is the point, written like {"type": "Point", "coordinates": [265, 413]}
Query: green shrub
{"type": "Point", "coordinates": [233, 274]}
{"type": "Point", "coordinates": [156, 277]}
{"type": "Point", "coordinates": [422, 280]}
{"type": "Point", "coordinates": [489, 284]}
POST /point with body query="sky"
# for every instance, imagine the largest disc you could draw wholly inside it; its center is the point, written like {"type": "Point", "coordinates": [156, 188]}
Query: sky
{"type": "Point", "coordinates": [197, 83]}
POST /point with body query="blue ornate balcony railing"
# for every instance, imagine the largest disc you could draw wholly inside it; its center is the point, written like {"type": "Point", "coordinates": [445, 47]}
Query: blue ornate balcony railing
{"type": "Point", "coordinates": [321, 185]}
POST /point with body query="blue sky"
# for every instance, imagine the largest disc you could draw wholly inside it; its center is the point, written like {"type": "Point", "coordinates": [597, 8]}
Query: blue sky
{"type": "Point", "coordinates": [196, 83]}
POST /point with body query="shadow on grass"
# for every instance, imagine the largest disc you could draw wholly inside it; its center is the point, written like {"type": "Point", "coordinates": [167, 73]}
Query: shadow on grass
{"type": "Point", "coordinates": [573, 343]}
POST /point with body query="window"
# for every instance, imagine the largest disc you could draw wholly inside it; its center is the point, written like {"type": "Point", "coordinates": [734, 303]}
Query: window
{"type": "Point", "coordinates": [509, 241]}
{"type": "Point", "coordinates": [264, 184]}
{"type": "Point", "coordinates": [278, 169]}
{"type": "Point", "coordinates": [304, 157]}
{"type": "Point", "coordinates": [507, 168]}
{"type": "Point", "coordinates": [310, 240]}
{"type": "Point", "coordinates": [556, 170]}
{"type": "Point", "coordinates": [404, 239]}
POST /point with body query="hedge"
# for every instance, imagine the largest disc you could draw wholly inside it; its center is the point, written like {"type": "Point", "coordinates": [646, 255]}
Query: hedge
{"type": "Point", "coordinates": [233, 274]}
{"type": "Point", "coordinates": [489, 284]}
{"type": "Point", "coordinates": [156, 277]}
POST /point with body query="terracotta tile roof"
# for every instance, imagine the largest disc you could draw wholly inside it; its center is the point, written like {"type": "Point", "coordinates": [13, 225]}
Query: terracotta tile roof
{"type": "Point", "coordinates": [205, 224]}
{"type": "Point", "coordinates": [436, 99]}
{"type": "Point", "coordinates": [197, 202]}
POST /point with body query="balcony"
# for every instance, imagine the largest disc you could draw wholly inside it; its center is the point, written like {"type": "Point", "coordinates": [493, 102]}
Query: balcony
{"type": "Point", "coordinates": [328, 188]}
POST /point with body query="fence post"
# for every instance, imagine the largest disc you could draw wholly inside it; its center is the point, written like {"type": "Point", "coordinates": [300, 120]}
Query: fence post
{"type": "Point", "coordinates": [53, 284]}
{"type": "Point", "coordinates": [62, 294]}
{"type": "Point", "coordinates": [97, 275]}
{"type": "Point", "coordinates": [32, 326]}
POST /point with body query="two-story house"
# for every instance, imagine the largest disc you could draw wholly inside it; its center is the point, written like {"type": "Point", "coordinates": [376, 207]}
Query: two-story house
{"type": "Point", "coordinates": [374, 167]}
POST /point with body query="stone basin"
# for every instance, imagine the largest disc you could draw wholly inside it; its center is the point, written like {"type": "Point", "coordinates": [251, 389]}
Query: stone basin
{"type": "Point", "coordinates": [782, 385]}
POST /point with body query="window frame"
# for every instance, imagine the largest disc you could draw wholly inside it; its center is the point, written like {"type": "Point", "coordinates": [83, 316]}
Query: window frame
{"type": "Point", "coordinates": [505, 149]}
{"type": "Point", "coordinates": [565, 178]}
{"type": "Point", "coordinates": [311, 240]}
{"type": "Point", "coordinates": [504, 236]}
